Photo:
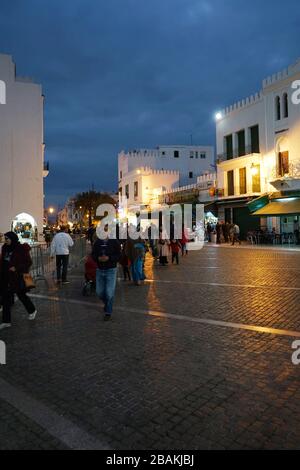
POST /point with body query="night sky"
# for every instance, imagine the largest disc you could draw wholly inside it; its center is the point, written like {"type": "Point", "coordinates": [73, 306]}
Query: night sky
{"type": "Point", "coordinates": [124, 74]}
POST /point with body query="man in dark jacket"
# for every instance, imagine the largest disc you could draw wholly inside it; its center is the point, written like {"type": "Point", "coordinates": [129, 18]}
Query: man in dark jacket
{"type": "Point", "coordinates": [106, 252]}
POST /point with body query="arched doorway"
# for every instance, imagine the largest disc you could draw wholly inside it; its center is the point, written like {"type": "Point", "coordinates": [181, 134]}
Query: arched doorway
{"type": "Point", "coordinates": [25, 227]}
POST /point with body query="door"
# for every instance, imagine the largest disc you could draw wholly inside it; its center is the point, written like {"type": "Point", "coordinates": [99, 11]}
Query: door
{"type": "Point", "coordinates": [283, 163]}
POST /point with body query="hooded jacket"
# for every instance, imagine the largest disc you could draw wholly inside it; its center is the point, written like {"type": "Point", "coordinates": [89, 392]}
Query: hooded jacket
{"type": "Point", "coordinates": [19, 258]}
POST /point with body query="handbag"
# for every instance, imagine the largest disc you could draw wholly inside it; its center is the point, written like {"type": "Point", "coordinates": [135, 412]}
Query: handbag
{"type": "Point", "coordinates": [28, 281]}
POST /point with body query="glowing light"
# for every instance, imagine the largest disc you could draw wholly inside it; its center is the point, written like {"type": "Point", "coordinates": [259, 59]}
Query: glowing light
{"type": "Point", "coordinates": [51, 210]}
{"type": "Point", "coordinates": [218, 116]}
{"type": "Point", "coordinates": [254, 169]}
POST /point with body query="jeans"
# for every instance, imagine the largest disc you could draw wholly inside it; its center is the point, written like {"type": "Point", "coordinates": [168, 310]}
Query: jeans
{"type": "Point", "coordinates": [62, 262]}
{"type": "Point", "coordinates": [7, 302]}
{"type": "Point", "coordinates": [105, 287]}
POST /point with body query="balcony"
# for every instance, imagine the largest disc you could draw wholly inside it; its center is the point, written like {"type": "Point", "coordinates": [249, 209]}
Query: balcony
{"type": "Point", "coordinates": [46, 169]}
{"type": "Point", "coordinates": [236, 153]}
{"type": "Point", "coordinates": [286, 179]}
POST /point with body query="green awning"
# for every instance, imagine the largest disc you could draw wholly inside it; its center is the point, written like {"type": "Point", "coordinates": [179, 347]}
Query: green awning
{"type": "Point", "coordinates": [284, 206]}
{"type": "Point", "coordinates": [258, 203]}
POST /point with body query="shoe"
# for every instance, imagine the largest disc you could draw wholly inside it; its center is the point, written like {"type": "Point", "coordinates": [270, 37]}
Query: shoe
{"type": "Point", "coordinates": [5, 325]}
{"type": "Point", "coordinates": [107, 317]}
{"type": "Point", "coordinates": [32, 316]}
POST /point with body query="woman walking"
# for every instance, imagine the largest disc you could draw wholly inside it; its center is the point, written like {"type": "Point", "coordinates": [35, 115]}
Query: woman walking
{"type": "Point", "coordinates": [135, 251]}
{"type": "Point", "coordinates": [15, 261]}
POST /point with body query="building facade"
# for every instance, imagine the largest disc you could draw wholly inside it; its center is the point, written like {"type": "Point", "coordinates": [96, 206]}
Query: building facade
{"type": "Point", "coordinates": [21, 153]}
{"type": "Point", "coordinates": [258, 153]}
{"type": "Point", "coordinates": [146, 173]}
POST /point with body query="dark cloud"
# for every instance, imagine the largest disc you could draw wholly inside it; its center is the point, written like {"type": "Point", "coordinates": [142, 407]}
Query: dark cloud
{"type": "Point", "coordinates": [135, 73]}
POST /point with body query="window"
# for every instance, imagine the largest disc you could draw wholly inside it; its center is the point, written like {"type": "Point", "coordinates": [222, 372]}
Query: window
{"type": "Point", "coordinates": [277, 108]}
{"type": "Point", "coordinates": [191, 174]}
{"type": "Point", "coordinates": [241, 143]}
{"type": "Point", "coordinates": [197, 154]}
{"type": "Point", "coordinates": [230, 183]}
{"type": "Point", "coordinates": [243, 181]}
{"type": "Point", "coordinates": [176, 154]}
{"type": "Point", "coordinates": [283, 163]}
{"type": "Point", "coordinates": [191, 154]}
{"type": "Point", "coordinates": [120, 192]}
{"type": "Point", "coordinates": [255, 170]}
{"type": "Point", "coordinates": [136, 189]}
{"type": "Point", "coordinates": [121, 175]}
{"type": "Point", "coordinates": [127, 191]}
{"type": "Point", "coordinates": [163, 153]}
{"type": "Point", "coordinates": [229, 147]}
{"type": "Point", "coordinates": [285, 105]}
{"type": "Point", "coordinates": [203, 155]}
{"type": "Point", "coordinates": [254, 133]}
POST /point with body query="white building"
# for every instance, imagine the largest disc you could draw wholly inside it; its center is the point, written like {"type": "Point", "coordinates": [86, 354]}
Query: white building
{"type": "Point", "coordinates": [146, 173]}
{"type": "Point", "coordinates": [258, 153]}
{"type": "Point", "coordinates": [21, 152]}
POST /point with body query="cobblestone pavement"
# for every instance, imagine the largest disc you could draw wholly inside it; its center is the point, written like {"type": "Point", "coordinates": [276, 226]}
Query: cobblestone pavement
{"type": "Point", "coordinates": [156, 377]}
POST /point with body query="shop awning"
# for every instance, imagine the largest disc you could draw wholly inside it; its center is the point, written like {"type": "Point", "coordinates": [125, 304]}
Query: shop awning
{"type": "Point", "coordinates": [258, 203]}
{"type": "Point", "coordinates": [278, 207]}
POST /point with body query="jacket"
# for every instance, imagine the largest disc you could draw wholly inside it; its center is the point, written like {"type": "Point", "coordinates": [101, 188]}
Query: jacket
{"type": "Point", "coordinates": [110, 248]}
{"type": "Point", "coordinates": [21, 260]}
{"type": "Point", "coordinates": [61, 244]}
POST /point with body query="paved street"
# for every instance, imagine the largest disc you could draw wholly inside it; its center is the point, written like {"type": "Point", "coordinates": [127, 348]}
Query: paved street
{"type": "Point", "coordinates": [197, 358]}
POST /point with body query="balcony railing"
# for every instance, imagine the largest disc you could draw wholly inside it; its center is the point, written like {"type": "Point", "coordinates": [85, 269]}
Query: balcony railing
{"type": "Point", "coordinates": [292, 170]}
{"type": "Point", "coordinates": [236, 153]}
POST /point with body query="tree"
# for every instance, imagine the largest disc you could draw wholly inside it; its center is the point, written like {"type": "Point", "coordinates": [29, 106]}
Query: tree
{"type": "Point", "coordinates": [87, 202]}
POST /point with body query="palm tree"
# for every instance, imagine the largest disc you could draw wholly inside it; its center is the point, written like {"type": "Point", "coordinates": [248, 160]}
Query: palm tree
{"type": "Point", "coordinates": [88, 201]}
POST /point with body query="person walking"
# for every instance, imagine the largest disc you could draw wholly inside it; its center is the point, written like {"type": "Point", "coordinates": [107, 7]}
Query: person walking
{"type": "Point", "coordinates": [135, 250]}
{"type": "Point", "coordinates": [15, 262]}
{"type": "Point", "coordinates": [175, 249]}
{"type": "Point", "coordinates": [163, 244]}
{"type": "Point", "coordinates": [209, 231]}
{"type": "Point", "coordinates": [183, 242]}
{"type": "Point", "coordinates": [218, 230]}
{"type": "Point", "coordinates": [106, 253]}
{"type": "Point", "coordinates": [125, 263]}
{"type": "Point", "coordinates": [236, 235]}
{"type": "Point", "coordinates": [60, 247]}
{"type": "Point", "coordinates": [225, 228]}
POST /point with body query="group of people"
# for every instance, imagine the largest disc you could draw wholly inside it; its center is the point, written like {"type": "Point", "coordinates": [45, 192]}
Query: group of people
{"type": "Point", "coordinates": [107, 252]}
{"type": "Point", "coordinates": [15, 265]}
{"type": "Point", "coordinates": [225, 232]}
{"type": "Point", "coordinates": [130, 254]}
